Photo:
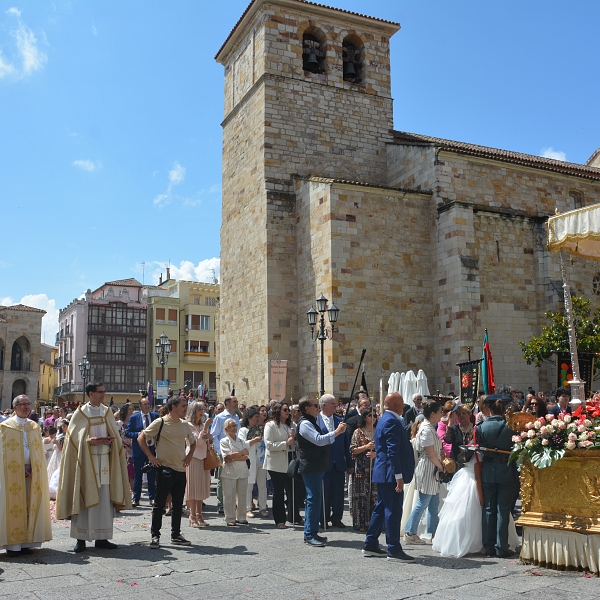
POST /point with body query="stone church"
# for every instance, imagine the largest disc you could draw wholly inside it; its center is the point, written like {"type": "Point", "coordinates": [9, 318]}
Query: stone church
{"type": "Point", "coordinates": [421, 242]}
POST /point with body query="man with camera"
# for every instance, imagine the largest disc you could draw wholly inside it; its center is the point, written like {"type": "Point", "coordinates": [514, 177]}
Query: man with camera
{"type": "Point", "coordinates": [170, 434]}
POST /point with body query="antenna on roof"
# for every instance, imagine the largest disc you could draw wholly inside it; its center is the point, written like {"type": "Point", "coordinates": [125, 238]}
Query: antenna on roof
{"type": "Point", "coordinates": [143, 271]}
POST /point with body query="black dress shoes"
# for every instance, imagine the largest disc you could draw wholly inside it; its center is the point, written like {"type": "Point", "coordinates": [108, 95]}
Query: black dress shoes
{"type": "Point", "coordinates": [400, 556]}
{"type": "Point", "coordinates": [79, 546]}
{"type": "Point", "coordinates": [314, 542]}
{"type": "Point", "coordinates": [338, 524]}
{"type": "Point", "coordinates": [320, 538]}
{"type": "Point", "coordinates": [106, 545]}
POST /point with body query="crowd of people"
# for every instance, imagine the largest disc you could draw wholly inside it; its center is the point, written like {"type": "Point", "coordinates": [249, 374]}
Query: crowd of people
{"type": "Point", "coordinates": [405, 470]}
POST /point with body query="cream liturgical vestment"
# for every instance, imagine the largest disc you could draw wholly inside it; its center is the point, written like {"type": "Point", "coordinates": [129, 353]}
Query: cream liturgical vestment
{"type": "Point", "coordinates": [24, 503]}
{"type": "Point", "coordinates": [93, 480]}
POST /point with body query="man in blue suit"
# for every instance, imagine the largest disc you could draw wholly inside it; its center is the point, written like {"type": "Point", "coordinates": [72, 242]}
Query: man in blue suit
{"type": "Point", "coordinates": [394, 466]}
{"type": "Point", "coordinates": [138, 422]}
{"type": "Point", "coordinates": [340, 463]}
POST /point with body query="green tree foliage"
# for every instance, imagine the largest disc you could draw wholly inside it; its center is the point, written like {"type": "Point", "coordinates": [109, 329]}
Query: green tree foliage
{"type": "Point", "coordinates": [555, 335]}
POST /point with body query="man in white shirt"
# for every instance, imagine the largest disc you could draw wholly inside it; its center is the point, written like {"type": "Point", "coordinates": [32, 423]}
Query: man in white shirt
{"type": "Point", "coordinates": [217, 430]}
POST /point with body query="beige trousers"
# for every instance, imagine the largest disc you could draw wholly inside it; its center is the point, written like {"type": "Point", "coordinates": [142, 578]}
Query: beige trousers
{"type": "Point", "coordinates": [234, 494]}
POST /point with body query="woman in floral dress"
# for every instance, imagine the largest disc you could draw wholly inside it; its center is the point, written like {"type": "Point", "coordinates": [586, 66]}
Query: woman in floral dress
{"type": "Point", "coordinates": [364, 492]}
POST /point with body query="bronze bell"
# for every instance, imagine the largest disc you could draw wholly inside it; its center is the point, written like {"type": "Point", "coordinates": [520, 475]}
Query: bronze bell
{"type": "Point", "coordinates": [312, 64]}
{"type": "Point", "coordinates": [349, 71]}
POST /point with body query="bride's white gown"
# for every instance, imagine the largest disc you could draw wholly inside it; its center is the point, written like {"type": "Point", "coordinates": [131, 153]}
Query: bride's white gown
{"type": "Point", "coordinates": [459, 531]}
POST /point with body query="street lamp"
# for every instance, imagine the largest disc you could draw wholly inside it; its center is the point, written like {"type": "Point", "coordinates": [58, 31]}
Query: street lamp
{"type": "Point", "coordinates": [163, 349]}
{"type": "Point", "coordinates": [323, 333]}
{"type": "Point", "coordinates": [84, 369]}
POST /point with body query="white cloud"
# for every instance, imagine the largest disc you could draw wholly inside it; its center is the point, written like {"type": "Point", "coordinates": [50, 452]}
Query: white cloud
{"type": "Point", "coordinates": [49, 320]}
{"type": "Point", "coordinates": [31, 56]}
{"type": "Point", "coordinates": [205, 270]}
{"type": "Point", "coordinates": [87, 165]}
{"type": "Point", "coordinates": [552, 153]}
{"type": "Point", "coordinates": [197, 198]}
{"type": "Point", "coordinates": [176, 177]}
{"type": "Point", "coordinates": [94, 30]}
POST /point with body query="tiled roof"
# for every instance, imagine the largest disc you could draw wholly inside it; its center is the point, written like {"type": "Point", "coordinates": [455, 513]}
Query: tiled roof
{"type": "Point", "coordinates": [529, 160]}
{"type": "Point", "coordinates": [348, 12]}
{"type": "Point", "coordinates": [129, 282]}
{"type": "Point", "coordinates": [23, 308]}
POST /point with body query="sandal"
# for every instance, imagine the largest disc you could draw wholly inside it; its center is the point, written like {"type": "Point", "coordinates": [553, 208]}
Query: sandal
{"type": "Point", "coordinates": [242, 522]}
{"type": "Point", "coordinates": [202, 523]}
{"type": "Point", "coordinates": [231, 524]}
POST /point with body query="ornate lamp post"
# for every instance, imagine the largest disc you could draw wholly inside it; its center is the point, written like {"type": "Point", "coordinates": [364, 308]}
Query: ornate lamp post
{"type": "Point", "coordinates": [323, 333]}
{"type": "Point", "coordinates": [163, 349]}
{"type": "Point", "coordinates": [84, 369]}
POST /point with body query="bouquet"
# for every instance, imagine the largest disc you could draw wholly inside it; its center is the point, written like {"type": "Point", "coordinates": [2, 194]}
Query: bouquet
{"type": "Point", "coordinates": [546, 439]}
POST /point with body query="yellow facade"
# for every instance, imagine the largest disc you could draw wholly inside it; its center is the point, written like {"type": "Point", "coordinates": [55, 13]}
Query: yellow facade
{"type": "Point", "coordinates": [185, 312]}
{"type": "Point", "coordinates": [47, 379]}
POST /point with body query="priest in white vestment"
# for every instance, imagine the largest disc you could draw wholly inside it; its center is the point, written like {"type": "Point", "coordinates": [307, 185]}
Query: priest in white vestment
{"type": "Point", "coordinates": [25, 521]}
{"type": "Point", "coordinates": [93, 481]}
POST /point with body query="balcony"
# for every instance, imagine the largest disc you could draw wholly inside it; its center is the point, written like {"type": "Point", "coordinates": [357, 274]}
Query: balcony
{"type": "Point", "coordinates": [124, 329]}
{"type": "Point", "coordinates": [123, 359]}
{"type": "Point", "coordinates": [66, 360]}
{"type": "Point", "coordinates": [57, 390]}
{"type": "Point", "coordinates": [57, 362]}
{"type": "Point", "coordinates": [57, 339]}
{"type": "Point", "coordinates": [68, 331]}
{"type": "Point", "coordinates": [70, 387]}
{"type": "Point", "coordinates": [62, 334]}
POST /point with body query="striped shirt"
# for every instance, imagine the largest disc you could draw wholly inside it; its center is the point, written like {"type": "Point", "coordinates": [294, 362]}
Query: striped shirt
{"type": "Point", "coordinates": [425, 480]}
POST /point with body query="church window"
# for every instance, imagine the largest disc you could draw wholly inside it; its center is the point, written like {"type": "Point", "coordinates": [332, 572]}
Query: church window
{"type": "Point", "coordinates": [313, 54]}
{"type": "Point", "coordinates": [576, 199]}
{"type": "Point", "coordinates": [352, 51]}
{"type": "Point", "coordinates": [16, 362]}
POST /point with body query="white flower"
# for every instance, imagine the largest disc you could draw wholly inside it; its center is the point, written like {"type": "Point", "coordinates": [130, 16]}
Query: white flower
{"type": "Point", "coordinates": [572, 437]}
{"type": "Point", "coordinates": [531, 434]}
{"type": "Point", "coordinates": [537, 425]}
{"type": "Point", "coordinates": [581, 428]}
{"type": "Point", "coordinates": [523, 435]}
{"type": "Point", "coordinates": [567, 418]}
{"type": "Point", "coordinates": [555, 422]}
{"type": "Point", "coordinates": [587, 423]}
{"type": "Point", "coordinates": [562, 425]}
{"type": "Point", "coordinates": [570, 446]}
{"type": "Point", "coordinates": [550, 429]}
{"type": "Point", "coordinates": [583, 436]}
{"type": "Point", "coordinates": [529, 425]}
{"type": "Point", "coordinates": [528, 443]}
{"type": "Point", "coordinates": [545, 442]}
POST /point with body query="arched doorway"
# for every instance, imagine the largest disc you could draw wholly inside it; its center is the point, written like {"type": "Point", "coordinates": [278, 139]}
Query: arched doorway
{"type": "Point", "coordinates": [19, 358]}
{"type": "Point", "coordinates": [19, 387]}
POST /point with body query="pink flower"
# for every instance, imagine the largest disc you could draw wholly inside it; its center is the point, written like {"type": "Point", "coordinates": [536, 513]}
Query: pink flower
{"type": "Point", "coordinates": [523, 435]}
{"type": "Point", "coordinates": [529, 425]}
{"type": "Point", "coordinates": [531, 434]}
{"type": "Point", "coordinates": [543, 430]}
{"type": "Point", "coordinates": [585, 444]}
{"type": "Point", "coordinates": [542, 419]}
{"type": "Point", "coordinates": [561, 424]}
{"type": "Point", "coordinates": [516, 439]}
{"type": "Point", "coordinates": [581, 428]}
{"type": "Point", "coordinates": [572, 437]}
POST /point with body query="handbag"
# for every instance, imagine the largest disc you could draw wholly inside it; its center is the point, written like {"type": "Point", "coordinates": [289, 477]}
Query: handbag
{"type": "Point", "coordinates": [149, 466]}
{"type": "Point", "coordinates": [212, 460]}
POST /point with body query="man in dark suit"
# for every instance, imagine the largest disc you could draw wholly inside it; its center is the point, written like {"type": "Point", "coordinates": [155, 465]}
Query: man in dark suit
{"type": "Point", "coordinates": [138, 422]}
{"type": "Point", "coordinates": [393, 467]}
{"type": "Point", "coordinates": [352, 422]}
{"type": "Point", "coordinates": [340, 462]}
{"type": "Point", "coordinates": [353, 412]}
{"type": "Point", "coordinates": [412, 412]}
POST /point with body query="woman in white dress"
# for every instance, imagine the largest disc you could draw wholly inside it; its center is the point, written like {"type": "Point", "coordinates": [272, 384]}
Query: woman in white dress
{"type": "Point", "coordinates": [460, 529]}
{"type": "Point", "coordinates": [252, 431]}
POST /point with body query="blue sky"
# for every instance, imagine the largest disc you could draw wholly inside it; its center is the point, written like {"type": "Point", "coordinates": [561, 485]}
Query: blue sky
{"type": "Point", "coordinates": [111, 111]}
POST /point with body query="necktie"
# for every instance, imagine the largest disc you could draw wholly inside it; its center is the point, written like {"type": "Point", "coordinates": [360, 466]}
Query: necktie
{"type": "Point", "coordinates": [147, 424]}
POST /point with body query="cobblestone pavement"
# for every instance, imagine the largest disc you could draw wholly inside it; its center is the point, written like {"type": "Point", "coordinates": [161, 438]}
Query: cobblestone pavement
{"type": "Point", "coordinates": [260, 561]}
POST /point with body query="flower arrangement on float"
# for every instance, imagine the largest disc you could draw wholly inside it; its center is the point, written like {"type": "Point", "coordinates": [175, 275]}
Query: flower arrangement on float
{"type": "Point", "coordinates": [544, 440]}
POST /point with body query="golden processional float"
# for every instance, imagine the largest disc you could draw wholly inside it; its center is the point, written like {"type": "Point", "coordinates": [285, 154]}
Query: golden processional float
{"type": "Point", "coordinates": [559, 459]}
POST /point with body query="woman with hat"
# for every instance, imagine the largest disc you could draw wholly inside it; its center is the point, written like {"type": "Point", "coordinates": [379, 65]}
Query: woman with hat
{"type": "Point", "coordinates": [498, 477]}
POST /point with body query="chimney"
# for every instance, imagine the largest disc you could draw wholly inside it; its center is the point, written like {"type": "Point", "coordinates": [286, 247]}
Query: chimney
{"type": "Point", "coordinates": [160, 280]}
{"type": "Point", "coordinates": [168, 273]}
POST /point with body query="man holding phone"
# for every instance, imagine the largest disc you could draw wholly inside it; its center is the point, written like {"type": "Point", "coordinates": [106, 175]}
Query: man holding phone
{"type": "Point", "coordinates": [93, 480]}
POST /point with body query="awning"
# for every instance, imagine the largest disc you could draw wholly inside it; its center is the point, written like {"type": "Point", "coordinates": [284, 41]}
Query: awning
{"type": "Point", "coordinates": [577, 232]}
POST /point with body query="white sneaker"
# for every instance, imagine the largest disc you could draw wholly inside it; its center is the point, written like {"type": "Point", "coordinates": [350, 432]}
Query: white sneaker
{"type": "Point", "coordinates": [250, 515]}
{"type": "Point", "coordinates": [413, 539]}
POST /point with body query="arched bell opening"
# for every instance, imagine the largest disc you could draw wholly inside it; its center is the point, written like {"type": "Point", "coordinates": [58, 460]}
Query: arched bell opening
{"type": "Point", "coordinates": [313, 51]}
{"type": "Point", "coordinates": [352, 57]}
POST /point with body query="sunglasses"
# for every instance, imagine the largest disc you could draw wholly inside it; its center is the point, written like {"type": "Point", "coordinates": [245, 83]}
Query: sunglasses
{"type": "Point", "coordinates": [285, 410]}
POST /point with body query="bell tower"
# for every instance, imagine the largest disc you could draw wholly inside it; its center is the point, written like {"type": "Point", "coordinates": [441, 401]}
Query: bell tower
{"type": "Point", "coordinates": [307, 94]}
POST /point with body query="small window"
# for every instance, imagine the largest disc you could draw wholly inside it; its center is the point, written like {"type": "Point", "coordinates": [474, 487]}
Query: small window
{"type": "Point", "coordinates": [197, 299]}
{"type": "Point", "coordinates": [205, 323]}
{"type": "Point", "coordinates": [576, 199]}
{"type": "Point", "coordinates": [172, 317]}
{"type": "Point", "coordinates": [195, 322]}
{"type": "Point", "coordinates": [172, 375]}
{"type": "Point", "coordinates": [210, 301]}
{"type": "Point", "coordinates": [313, 56]}
{"type": "Point", "coordinates": [160, 315]}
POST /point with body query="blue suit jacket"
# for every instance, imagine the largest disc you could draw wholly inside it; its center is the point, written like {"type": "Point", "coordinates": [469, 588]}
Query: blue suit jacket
{"type": "Point", "coordinates": [394, 451]}
{"type": "Point", "coordinates": [135, 425]}
{"type": "Point", "coordinates": [339, 451]}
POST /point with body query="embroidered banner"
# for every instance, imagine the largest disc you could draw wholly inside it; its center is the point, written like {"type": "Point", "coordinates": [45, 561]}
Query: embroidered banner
{"type": "Point", "coordinates": [564, 369]}
{"type": "Point", "coordinates": [469, 382]}
{"type": "Point", "coordinates": [277, 379]}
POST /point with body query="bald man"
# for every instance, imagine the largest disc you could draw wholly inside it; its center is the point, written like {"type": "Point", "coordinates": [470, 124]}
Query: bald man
{"type": "Point", "coordinates": [393, 467]}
